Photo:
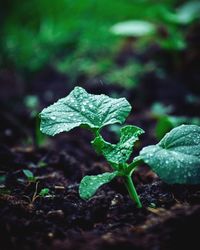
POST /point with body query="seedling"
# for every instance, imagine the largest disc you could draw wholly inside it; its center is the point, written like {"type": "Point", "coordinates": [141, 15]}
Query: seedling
{"type": "Point", "coordinates": [43, 193]}
{"type": "Point", "coordinates": [32, 104]}
{"type": "Point", "coordinates": [176, 158]}
{"type": "Point", "coordinates": [29, 175]}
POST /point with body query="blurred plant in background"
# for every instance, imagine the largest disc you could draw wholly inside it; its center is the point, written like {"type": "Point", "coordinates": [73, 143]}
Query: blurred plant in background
{"type": "Point", "coordinates": [36, 33]}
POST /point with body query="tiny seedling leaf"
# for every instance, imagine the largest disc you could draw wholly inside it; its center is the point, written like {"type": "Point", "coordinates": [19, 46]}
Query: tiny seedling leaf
{"type": "Point", "coordinates": [120, 152]}
{"type": "Point", "coordinates": [176, 158]}
{"type": "Point", "coordinates": [44, 192]}
{"type": "Point", "coordinates": [28, 174]}
{"type": "Point", "coordinates": [90, 184]}
{"type": "Point", "coordinates": [82, 109]}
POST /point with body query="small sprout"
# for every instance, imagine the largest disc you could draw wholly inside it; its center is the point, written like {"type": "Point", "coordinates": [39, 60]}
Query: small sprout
{"type": "Point", "coordinates": [176, 158]}
{"type": "Point", "coordinates": [32, 103]}
{"type": "Point", "coordinates": [29, 175]}
{"type": "Point", "coordinates": [44, 192]}
{"type": "Point", "coordinates": [42, 164]}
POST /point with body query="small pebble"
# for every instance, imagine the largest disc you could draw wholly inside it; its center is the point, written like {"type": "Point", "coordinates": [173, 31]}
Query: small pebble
{"type": "Point", "coordinates": [55, 213]}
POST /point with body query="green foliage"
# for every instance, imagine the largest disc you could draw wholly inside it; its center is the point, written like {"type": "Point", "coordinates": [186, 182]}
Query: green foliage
{"type": "Point", "coordinates": [163, 125]}
{"type": "Point", "coordinates": [184, 14]}
{"type": "Point", "coordinates": [167, 122]}
{"type": "Point", "coordinates": [118, 153]}
{"type": "Point", "coordinates": [175, 158]}
{"type": "Point", "coordinates": [36, 33]}
{"type": "Point", "coordinates": [32, 104]}
{"type": "Point", "coordinates": [159, 109]}
{"type": "Point", "coordinates": [127, 76]}
{"type": "Point", "coordinates": [44, 192]}
{"type": "Point", "coordinates": [30, 176]}
{"type": "Point", "coordinates": [90, 184]}
{"type": "Point", "coordinates": [171, 21]}
{"type": "Point", "coordinates": [80, 108]}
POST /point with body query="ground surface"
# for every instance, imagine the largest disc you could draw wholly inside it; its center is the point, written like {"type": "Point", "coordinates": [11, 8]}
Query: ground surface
{"type": "Point", "coordinates": [169, 218]}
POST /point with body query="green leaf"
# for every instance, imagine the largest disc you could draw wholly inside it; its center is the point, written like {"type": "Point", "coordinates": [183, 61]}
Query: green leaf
{"type": "Point", "coordinates": [82, 109]}
{"type": "Point", "coordinates": [120, 152]}
{"type": "Point", "coordinates": [44, 192]}
{"type": "Point", "coordinates": [176, 158]}
{"type": "Point", "coordinates": [90, 184]}
{"type": "Point", "coordinates": [166, 123]}
{"type": "Point", "coordinates": [28, 174]}
{"type": "Point", "coordinates": [163, 126]}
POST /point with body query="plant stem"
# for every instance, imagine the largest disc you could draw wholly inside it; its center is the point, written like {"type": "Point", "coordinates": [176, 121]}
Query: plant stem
{"type": "Point", "coordinates": [137, 161]}
{"type": "Point", "coordinates": [132, 191]}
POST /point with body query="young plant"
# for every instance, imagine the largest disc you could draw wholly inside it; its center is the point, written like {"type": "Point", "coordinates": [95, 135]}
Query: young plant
{"type": "Point", "coordinates": [32, 104]}
{"type": "Point", "coordinates": [29, 175]}
{"type": "Point", "coordinates": [176, 158]}
{"type": "Point", "coordinates": [43, 193]}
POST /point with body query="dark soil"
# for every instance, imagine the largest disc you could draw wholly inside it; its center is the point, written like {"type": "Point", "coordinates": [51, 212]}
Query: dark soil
{"type": "Point", "coordinates": [169, 218]}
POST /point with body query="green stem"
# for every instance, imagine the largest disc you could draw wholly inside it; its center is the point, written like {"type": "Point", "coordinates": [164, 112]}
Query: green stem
{"type": "Point", "coordinates": [132, 191]}
{"type": "Point", "coordinates": [137, 161]}
{"type": "Point", "coordinates": [95, 132]}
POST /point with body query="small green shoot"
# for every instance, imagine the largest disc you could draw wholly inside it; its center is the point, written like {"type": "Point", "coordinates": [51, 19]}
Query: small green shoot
{"type": "Point", "coordinates": [29, 175]}
{"type": "Point", "coordinates": [44, 192]}
{"type": "Point", "coordinates": [32, 104]}
{"type": "Point", "coordinates": [176, 158]}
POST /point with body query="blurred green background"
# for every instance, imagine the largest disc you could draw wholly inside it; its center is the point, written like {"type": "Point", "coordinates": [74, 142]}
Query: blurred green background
{"type": "Point", "coordinates": [75, 36]}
